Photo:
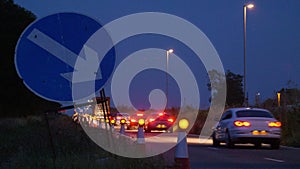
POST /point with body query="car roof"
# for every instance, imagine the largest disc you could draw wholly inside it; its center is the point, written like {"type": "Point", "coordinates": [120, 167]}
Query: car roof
{"type": "Point", "coordinates": [157, 114]}
{"type": "Point", "coordinates": [246, 108]}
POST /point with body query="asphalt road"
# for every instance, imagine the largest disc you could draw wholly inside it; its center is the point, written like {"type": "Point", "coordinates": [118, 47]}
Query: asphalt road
{"type": "Point", "coordinates": [203, 155]}
{"type": "Point", "coordinates": [243, 156]}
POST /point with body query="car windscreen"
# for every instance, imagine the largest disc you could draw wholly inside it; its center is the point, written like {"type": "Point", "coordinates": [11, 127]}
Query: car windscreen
{"type": "Point", "coordinates": [253, 113]}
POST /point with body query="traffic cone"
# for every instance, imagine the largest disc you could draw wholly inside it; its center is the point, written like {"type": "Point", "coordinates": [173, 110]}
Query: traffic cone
{"type": "Point", "coordinates": [122, 129]}
{"type": "Point", "coordinates": [140, 133]}
{"type": "Point", "coordinates": [181, 153]}
{"type": "Point", "coordinates": [112, 125]}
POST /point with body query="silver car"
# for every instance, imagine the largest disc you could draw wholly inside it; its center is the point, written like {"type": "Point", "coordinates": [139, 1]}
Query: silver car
{"type": "Point", "coordinates": [247, 125]}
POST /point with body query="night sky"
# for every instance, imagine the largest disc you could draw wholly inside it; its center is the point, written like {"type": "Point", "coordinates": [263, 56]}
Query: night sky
{"type": "Point", "coordinates": [273, 37]}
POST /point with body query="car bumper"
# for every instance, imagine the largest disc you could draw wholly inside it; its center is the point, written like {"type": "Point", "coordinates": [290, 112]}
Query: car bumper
{"type": "Point", "coordinates": [158, 126]}
{"type": "Point", "coordinates": [253, 136]}
{"type": "Point", "coordinates": [133, 125]}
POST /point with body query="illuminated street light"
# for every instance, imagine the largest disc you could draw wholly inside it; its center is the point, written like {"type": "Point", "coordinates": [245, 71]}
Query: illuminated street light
{"type": "Point", "coordinates": [257, 99]}
{"type": "Point", "coordinates": [250, 6]}
{"type": "Point", "coordinates": [168, 53]}
{"type": "Point", "coordinates": [245, 24]}
{"type": "Point", "coordinates": [278, 98]}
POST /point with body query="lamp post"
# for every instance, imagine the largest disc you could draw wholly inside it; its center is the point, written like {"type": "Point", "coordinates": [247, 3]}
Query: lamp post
{"type": "Point", "coordinates": [167, 62]}
{"type": "Point", "coordinates": [278, 98]}
{"type": "Point", "coordinates": [245, 24]}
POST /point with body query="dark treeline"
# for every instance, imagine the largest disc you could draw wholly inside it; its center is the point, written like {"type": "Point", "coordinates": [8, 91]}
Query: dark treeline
{"type": "Point", "coordinates": [234, 87]}
{"type": "Point", "coordinates": [16, 99]}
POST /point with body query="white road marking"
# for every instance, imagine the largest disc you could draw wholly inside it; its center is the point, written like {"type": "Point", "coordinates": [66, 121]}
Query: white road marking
{"type": "Point", "coordinates": [213, 148]}
{"type": "Point", "coordinates": [292, 148]}
{"type": "Point", "coordinates": [275, 160]}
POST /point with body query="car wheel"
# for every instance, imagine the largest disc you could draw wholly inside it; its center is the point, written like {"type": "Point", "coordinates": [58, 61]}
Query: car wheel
{"type": "Point", "coordinates": [147, 130]}
{"type": "Point", "coordinates": [228, 141]}
{"type": "Point", "coordinates": [275, 145]}
{"type": "Point", "coordinates": [216, 143]}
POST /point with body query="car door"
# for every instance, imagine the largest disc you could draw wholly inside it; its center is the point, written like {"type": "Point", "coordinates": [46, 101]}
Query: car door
{"type": "Point", "coordinates": [223, 124]}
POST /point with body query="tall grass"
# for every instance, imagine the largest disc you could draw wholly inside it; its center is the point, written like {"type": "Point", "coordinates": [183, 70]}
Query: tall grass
{"type": "Point", "coordinates": [25, 144]}
{"type": "Point", "coordinates": [290, 118]}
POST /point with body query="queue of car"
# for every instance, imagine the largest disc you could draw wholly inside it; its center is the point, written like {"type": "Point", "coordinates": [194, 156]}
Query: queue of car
{"type": "Point", "coordinates": [134, 120]}
{"type": "Point", "coordinates": [236, 125]}
{"type": "Point", "coordinates": [161, 121]}
{"type": "Point", "coordinates": [119, 116]}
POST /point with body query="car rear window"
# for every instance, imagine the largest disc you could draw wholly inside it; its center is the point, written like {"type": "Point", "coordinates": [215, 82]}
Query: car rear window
{"type": "Point", "coordinates": [253, 113]}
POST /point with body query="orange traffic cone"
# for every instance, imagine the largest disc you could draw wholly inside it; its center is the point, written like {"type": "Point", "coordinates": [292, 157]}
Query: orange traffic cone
{"type": "Point", "coordinates": [140, 133]}
{"type": "Point", "coordinates": [181, 153]}
{"type": "Point", "coordinates": [122, 129]}
{"type": "Point", "coordinates": [112, 125]}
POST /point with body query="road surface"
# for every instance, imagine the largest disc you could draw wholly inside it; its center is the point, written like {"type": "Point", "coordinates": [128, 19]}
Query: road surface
{"type": "Point", "coordinates": [203, 155]}
{"type": "Point", "coordinates": [243, 156]}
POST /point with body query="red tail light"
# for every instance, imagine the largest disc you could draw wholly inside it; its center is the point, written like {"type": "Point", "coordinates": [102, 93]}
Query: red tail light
{"type": "Point", "coordinates": [276, 124]}
{"type": "Point", "coordinates": [170, 120]}
{"type": "Point", "coordinates": [240, 123]}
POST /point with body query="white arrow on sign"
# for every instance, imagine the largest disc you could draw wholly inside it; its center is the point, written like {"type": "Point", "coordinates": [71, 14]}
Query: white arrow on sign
{"type": "Point", "coordinates": [85, 68]}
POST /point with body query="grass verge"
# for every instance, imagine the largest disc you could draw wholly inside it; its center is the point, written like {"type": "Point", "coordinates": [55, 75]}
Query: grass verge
{"type": "Point", "coordinates": [25, 144]}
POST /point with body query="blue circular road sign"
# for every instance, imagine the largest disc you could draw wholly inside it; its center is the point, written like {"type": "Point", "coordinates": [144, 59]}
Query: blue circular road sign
{"type": "Point", "coordinates": [48, 50]}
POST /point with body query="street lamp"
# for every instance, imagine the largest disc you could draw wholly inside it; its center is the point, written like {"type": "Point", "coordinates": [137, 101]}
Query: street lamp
{"type": "Point", "coordinates": [257, 99]}
{"type": "Point", "coordinates": [167, 62]}
{"type": "Point", "coordinates": [278, 98]}
{"type": "Point", "coordinates": [245, 23]}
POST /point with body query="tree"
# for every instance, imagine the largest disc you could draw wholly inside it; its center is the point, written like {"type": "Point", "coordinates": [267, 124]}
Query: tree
{"type": "Point", "coordinates": [17, 100]}
{"type": "Point", "coordinates": [14, 20]}
{"type": "Point", "coordinates": [289, 97]}
{"type": "Point", "coordinates": [234, 87]}
{"type": "Point", "coordinates": [235, 94]}
{"type": "Point", "coordinates": [270, 103]}
{"type": "Point", "coordinates": [217, 84]}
